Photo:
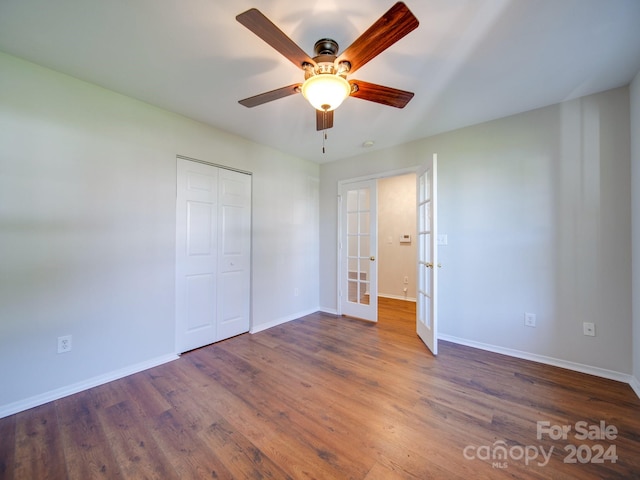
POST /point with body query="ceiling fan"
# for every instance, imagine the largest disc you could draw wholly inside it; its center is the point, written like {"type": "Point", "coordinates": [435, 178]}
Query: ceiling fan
{"type": "Point", "coordinates": [326, 85]}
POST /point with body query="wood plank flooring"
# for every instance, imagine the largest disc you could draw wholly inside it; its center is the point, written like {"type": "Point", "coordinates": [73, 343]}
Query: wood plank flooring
{"type": "Point", "coordinates": [330, 398]}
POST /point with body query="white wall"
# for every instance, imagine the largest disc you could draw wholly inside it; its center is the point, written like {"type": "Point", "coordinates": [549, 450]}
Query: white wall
{"type": "Point", "coordinates": [397, 216]}
{"type": "Point", "coordinates": [87, 229]}
{"type": "Point", "coordinates": [537, 211]}
{"type": "Point", "coordinates": [635, 211]}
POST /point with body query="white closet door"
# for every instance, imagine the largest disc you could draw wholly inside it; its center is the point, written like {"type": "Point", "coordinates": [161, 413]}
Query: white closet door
{"type": "Point", "coordinates": [234, 275]}
{"type": "Point", "coordinates": [196, 254]}
{"type": "Point", "coordinates": [213, 254]}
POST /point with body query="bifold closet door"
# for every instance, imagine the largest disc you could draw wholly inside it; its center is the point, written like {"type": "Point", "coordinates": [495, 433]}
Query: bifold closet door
{"type": "Point", "coordinates": [234, 253]}
{"type": "Point", "coordinates": [213, 244]}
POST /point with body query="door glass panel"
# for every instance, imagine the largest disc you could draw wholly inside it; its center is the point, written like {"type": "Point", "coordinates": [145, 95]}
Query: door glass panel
{"type": "Point", "coordinates": [427, 282]}
{"type": "Point", "coordinates": [365, 250]}
{"type": "Point", "coordinates": [364, 269]}
{"type": "Point", "coordinates": [426, 315]}
{"type": "Point", "coordinates": [352, 223]}
{"type": "Point", "coordinates": [426, 245]}
{"type": "Point", "coordinates": [364, 223]}
{"type": "Point", "coordinates": [358, 245]}
{"type": "Point", "coordinates": [427, 186]}
{"type": "Point", "coordinates": [353, 291]}
{"type": "Point", "coordinates": [352, 200]}
{"type": "Point", "coordinates": [352, 247]}
{"type": "Point", "coordinates": [364, 199]}
{"type": "Point", "coordinates": [353, 267]}
{"type": "Point", "coordinates": [364, 293]}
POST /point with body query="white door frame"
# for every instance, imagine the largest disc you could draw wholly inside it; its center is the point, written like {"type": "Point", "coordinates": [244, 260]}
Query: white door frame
{"type": "Point", "coordinates": [341, 184]}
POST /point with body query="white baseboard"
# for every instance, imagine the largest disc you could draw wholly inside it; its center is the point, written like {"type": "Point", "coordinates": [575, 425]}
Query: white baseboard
{"type": "Point", "coordinates": [280, 321]}
{"type": "Point", "coordinates": [635, 384]}
{"type": "Point", "coordinates": [397, 297]}
{"type": "Point", "coordinates": [556, 362]}
{"type": "Point", "coordinates": [334, 311]}
{"type": "Point", "coordinates": [330, 311]}
{"type": "Point", "coordinates": [37, 400]}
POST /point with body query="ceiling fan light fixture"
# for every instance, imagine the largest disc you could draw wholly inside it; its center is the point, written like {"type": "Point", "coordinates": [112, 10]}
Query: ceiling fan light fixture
{"type": "Point", "coordinates": [325, 92]}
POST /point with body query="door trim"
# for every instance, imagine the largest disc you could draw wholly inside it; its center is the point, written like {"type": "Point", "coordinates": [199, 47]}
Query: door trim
{"type": "Point", "coordinates": [246, 172]}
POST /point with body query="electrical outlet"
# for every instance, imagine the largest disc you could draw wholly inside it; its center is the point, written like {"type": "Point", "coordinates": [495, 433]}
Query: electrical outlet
{"type": "Point", "coordinates": [589, 329]}
{"type": "Point", "coordinates": [64, 344]}
{"type": "Point", "coordinates": [529, 319]}
{"type": "Point", "coordinates": [406, 280]}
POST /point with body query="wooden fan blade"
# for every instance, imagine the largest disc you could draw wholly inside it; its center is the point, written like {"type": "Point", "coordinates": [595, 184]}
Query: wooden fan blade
{"type": "Point", "coordinates": [270, 96]}
{"type": "Point", "coordinates": [324, 120]}
{"type": "Point", "coordinates": [255, 21]}
{"type": "Point", "coordinates": [386, 31]}
{"type": "Point", "coordinates": [380, 94]}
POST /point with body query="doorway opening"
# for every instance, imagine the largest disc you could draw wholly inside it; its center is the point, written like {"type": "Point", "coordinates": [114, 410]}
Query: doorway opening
{"type": "Point", "coordinates": [397, 237]}
{"type": "Point", "coordinates": [377, 242]}
{"type": "Point", "coordinates": [358, 248]}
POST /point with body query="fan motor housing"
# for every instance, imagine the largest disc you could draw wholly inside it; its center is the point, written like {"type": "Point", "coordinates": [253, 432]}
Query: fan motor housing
{"type": "Point", "coordinates": [326, 51]}
{"type": "Point", "coordinates": [326, 46]}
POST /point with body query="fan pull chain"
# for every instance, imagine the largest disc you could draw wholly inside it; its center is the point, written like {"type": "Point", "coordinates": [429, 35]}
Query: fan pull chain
{"type": "Point", "coordinates": [324, 128]}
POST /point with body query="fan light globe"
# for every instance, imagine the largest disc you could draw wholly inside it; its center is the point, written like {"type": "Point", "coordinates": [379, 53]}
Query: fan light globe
{"type": "Point", "coordinates": [325, 92]}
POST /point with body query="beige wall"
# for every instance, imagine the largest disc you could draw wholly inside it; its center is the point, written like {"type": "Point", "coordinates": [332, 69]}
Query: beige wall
{"type": "Point", "coordinates": [87, 230]}
{"type": "Point", "coordinates": [537, 211]}
{"type": "Point", "coordinates": [397, 216]}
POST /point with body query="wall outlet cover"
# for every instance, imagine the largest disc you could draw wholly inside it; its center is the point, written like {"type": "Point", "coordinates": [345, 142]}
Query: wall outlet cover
{"type": "Point", "coordinates": [64, 344]}
{"type": "Point", "coordinates": [589, 329]}
{"type": "Point", "coordinates": [530, 319]}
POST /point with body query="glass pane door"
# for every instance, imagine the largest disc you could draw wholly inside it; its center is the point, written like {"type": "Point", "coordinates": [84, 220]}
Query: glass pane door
{"type": "Point", "coordinates": [359, 292]}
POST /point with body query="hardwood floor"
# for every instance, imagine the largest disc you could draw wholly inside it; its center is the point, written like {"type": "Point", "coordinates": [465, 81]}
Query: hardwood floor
{"type": "Point", "coordinates": [335, 398]}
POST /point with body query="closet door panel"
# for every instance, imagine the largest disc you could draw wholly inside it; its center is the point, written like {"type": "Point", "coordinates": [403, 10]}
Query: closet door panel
{"type": "Point", "coordinates": [213, 254]}
{"type": "Point", "coordinates": [196, 255]}
{"type": "Point", "coordinates": [234, 286]}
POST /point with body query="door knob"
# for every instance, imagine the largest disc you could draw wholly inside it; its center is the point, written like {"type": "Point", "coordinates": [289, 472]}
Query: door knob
{"type": "Point", "coordinates": [372, 258]}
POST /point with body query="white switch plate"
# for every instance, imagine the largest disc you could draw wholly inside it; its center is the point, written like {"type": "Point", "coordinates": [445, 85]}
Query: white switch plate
{"type": "Point", "coordinates": [443, 239]}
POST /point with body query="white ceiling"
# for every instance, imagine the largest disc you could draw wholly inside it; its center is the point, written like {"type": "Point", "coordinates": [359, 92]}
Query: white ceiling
{"type": "Point", "coordinates": [469, 60]}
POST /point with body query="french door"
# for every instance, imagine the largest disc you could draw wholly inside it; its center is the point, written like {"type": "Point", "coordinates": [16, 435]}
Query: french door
{"type": "Point", "coordinates": [358, 250]}
{"type": "Point", "coordinates": [427, 299]}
